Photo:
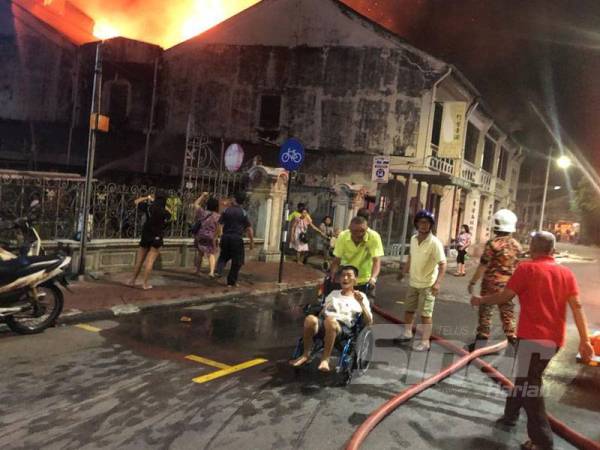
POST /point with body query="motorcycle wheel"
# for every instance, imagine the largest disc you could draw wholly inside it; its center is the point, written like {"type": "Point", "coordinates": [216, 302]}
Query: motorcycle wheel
{"type": "Point", "coordinates": [43, 313]}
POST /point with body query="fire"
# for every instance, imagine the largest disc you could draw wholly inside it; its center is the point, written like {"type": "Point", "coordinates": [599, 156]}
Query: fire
{"type": "Point", "coordinates": [103, 30]}
{"type": "Point", "coordinates": [153, 21]}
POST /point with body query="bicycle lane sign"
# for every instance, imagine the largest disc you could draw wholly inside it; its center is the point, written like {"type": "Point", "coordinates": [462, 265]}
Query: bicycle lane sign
{"type": "Point", "coordinates": [291, 154]}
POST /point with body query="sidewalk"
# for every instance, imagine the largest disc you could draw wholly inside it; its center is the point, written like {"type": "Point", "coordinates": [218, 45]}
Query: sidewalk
{"type": "Point", "coordinates": [109, 295]}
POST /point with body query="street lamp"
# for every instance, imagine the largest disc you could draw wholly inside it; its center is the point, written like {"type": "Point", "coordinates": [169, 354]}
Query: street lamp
{"type": "Point", "coordinates": [563, 162]}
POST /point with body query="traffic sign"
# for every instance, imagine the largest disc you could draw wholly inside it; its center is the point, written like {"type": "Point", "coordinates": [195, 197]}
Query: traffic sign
{"type": "Point", "coordinates": [291, 154]}
{"type": "Point", "coordinates": [381, 169]}
{"type": "Point", "coordinates": [234, 156]}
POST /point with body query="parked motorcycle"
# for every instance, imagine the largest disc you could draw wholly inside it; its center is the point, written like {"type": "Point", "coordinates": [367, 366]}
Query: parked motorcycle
{"type": "Point", "coordinates": [30, 295]}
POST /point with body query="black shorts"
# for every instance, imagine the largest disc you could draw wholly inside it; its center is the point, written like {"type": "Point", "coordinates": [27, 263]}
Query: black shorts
{"type": "Point", "coordinates": [151, 241]}
{"type": "Point", "coordinates": [460, 259]}
{"type": "Point", "coordinates": [345, 332]}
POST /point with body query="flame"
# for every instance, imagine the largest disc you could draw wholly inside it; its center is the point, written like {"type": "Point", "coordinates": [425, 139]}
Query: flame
{"type": "Point", "coordinates": [104, 30]}
{"type": "Point", "coordinates": [153, 21]}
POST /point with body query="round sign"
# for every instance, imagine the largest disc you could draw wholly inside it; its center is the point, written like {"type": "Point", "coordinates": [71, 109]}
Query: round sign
{"type": "Point", "coordinates": [291, 154]}
{"type": "Point", "coordinates": [234, 156]}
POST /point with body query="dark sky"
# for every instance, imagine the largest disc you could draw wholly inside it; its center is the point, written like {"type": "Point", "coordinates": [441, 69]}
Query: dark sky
{"type": "Point", "coordinates": [514, 51]}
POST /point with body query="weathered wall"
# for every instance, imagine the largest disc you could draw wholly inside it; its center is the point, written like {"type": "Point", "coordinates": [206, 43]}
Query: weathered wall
{"type": "Point", "coordinates": [36, 64]}
{"type": "Point", "coordinates": [333, 98]}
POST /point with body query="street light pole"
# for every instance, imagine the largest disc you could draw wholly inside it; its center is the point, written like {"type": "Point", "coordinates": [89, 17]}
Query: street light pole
{"type": "Point", "coordinates": [91, 151]}
{"type": "Point", "coordinates": [545, 191]}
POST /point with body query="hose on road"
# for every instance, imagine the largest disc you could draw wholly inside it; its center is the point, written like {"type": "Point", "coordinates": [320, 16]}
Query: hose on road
{"type": "Point", "coordinates": [378, 415]}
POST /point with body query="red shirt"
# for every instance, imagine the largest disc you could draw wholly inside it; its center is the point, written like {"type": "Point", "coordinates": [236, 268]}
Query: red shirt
{"type": "Point", "coordinates": [543, 288]}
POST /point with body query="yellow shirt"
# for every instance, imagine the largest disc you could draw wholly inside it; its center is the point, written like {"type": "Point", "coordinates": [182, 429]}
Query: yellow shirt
{"type": "Point", "coordinates": [424, 260]}
{"type": "Point", "coordinates": [295, 214]}
{"type": "Point", "coordinates": [361, 255]}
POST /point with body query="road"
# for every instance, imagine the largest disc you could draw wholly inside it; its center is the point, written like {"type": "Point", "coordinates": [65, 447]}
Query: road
{"type": "Point", "coordinates": [137, 382]}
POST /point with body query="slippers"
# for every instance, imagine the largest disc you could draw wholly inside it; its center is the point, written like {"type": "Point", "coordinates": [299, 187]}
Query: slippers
{"type": "Point", "coordinates": [147, 288]}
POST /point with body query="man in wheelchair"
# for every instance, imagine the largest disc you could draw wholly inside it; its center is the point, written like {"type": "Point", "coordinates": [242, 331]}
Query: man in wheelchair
{"type": "Point", "coordinates": [340, 311]}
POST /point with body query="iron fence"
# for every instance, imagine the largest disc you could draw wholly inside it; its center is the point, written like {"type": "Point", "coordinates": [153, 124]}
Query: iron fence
{"type": "Point", "coordinates": [55, 202]}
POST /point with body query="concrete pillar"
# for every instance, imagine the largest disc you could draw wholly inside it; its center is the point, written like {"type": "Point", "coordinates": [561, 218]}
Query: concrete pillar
{"type": "Point", "coordinates": [472, 212]}
{"type": "Point", "coordinates": [486, 211]}
{"type": "Point", "coordinates": [444, 221]}
{"type": "Point", "coordinates": [268, 187]}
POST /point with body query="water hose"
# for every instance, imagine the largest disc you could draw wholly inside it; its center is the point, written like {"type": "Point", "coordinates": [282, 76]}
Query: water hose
{"type": "Point", "coordinates": [380, 413]}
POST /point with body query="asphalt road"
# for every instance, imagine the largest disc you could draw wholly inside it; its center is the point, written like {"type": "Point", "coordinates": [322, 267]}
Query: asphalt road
{"type": "Point", "coordinates": [132, 383]}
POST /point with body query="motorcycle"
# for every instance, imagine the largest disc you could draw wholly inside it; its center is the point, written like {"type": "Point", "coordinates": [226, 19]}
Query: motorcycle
{"type": "Point", "coordinates": [31, 298]}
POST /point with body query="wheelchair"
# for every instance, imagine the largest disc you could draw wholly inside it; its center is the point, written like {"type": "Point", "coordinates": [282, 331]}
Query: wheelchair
{"type": "Point", "coordinates": [354, 351]}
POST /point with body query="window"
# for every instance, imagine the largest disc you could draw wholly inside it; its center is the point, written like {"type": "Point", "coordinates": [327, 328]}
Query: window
{"type": "Point", "coordinates": [270, 111]}
{"type": "Point", "coordinates": [488, 155]}
{"type": "Point", "coordinates": [437, 124]}
{"type": "Point", "coordinates": [471, 142]}
{"type": "Point", "coordinates": [503, 164]}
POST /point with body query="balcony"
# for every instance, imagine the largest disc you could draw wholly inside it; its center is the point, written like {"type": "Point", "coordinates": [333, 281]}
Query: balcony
{"type": "Point", "coordinates": [486, 181]}
{"type": "Point", "coordinates": [467, 171]}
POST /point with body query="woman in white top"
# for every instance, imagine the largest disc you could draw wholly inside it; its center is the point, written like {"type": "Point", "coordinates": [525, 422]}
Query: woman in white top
{"type": "Point", "coordinates": [341, 309]}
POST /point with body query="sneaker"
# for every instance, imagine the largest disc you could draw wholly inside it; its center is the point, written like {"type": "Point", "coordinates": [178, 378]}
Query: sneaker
{"type": "Point", "coordinates": [406, 336]}
{"type": "Point", "coordinates": [421, 346]}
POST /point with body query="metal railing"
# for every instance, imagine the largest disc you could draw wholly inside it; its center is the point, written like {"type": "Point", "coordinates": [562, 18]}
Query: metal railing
{"type": "Point", "coordinates": [485, 180]}
{"type": "Point", "coordinates": [55, 204]}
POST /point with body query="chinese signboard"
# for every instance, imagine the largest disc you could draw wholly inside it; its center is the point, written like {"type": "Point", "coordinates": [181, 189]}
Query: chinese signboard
{"type": "Point", "coordinates": [452, 132]}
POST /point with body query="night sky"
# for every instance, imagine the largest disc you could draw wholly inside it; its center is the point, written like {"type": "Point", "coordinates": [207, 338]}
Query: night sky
{"type": "Point", "coordinates": [514, 51]}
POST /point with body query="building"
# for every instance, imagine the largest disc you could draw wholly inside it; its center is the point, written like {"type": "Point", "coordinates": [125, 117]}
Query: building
{"type": "Point", "coordinates": [350, 90]}
{"type": "Point", "coordinates": [347, 87]}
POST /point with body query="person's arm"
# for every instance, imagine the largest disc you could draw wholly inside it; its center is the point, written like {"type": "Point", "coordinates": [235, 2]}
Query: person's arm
{"type": "Point", "coordinates": [504, 296]}
{"type": "Point", "coordinates": [585, 347]}
{"type": "Point", "coordinates": [201, 201]}
{"type": "Point", "coordinates": [476, 277]}
{"type": "Point", "coordinates": [146, 198]}
{"type": "Point", "coordinates": [293, 231]}
{"type": "Point", "coordinates": [435, 289]}
{"type": "Point", "coordinates": [250, 233]}
{"type": "Point", "coordinates": [366, 311]}
{"type": "Point", "coordinates": [404, 269]}
{"type": "Point", "coordinates": [375, 270]}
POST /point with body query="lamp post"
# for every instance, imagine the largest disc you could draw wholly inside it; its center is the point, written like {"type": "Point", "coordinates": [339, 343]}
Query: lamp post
{"type": "Point", "coordinates": [563, 162]}
{"type": "Point", "coordinates": [91, 152]}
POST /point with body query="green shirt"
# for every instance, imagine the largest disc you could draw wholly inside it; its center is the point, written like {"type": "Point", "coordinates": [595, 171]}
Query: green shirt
{"type": "Point", "coordinates": [361, 255]}
{"type": "Point", "coordinates": [295, 214]}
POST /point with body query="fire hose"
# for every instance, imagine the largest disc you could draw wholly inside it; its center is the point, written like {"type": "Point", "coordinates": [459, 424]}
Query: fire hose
{"type": "Point", "coordinates": [379, 414]}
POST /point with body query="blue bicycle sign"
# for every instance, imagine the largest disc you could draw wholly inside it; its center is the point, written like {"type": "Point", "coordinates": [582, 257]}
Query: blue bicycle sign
{"type": "Point", "coordinates": [291, 154]}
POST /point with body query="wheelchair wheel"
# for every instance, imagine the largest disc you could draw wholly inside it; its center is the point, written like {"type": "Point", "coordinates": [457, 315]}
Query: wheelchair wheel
{"type": "Point", "coordinates": [364, 350]}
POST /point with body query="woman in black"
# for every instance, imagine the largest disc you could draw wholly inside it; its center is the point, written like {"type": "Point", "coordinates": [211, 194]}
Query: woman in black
{"type": "Point", "coordinates": [157, 217]}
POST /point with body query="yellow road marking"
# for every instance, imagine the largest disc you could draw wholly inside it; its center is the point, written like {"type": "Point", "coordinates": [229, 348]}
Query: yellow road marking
{"type": "Point", "coordinates": [85, 326]}
{"type": "Point", "coordinates": [229, 370]}
{"type": "Point", "coordinates": [207, 362]}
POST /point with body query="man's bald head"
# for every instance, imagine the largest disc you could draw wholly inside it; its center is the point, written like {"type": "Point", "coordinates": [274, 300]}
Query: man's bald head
{"type": "Point", "coordinates": [542, 242]}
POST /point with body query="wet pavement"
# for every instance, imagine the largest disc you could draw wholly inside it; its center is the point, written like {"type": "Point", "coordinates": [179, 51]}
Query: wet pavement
{"type": "Point", "coordinates": [128, 383]}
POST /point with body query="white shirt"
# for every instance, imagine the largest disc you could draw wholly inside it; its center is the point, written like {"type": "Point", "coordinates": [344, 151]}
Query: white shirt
{"type": "Point", "coordinates": [424, 260]}
{"type": "Point", "coordinates": [345, 308]}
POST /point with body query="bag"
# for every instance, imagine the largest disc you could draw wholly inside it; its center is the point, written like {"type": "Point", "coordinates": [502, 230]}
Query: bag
{"type": "Point", "coordinates": [302, 237]}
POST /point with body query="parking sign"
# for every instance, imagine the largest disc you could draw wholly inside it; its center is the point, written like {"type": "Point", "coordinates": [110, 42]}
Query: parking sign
{"type": "Point", "coordinates": [381, 169]}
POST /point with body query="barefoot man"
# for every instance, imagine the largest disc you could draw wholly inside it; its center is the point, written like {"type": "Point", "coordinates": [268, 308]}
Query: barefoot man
{"type": "Point", "coordinates": [339, 314]}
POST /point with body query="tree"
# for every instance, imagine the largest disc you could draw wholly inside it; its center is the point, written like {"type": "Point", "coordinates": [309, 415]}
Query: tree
{"type": "Point", "coordinates": [587, 204]}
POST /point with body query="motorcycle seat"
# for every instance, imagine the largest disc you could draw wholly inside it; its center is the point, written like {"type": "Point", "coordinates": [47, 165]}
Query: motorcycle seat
{"type": "Point", "coordinates": [16, 268]}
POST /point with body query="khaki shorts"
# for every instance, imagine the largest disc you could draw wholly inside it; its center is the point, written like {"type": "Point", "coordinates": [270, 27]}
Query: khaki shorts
{"type": "Point", "coordinates": [420, 299]}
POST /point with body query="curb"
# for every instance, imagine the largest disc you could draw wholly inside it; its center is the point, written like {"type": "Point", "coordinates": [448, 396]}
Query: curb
{"type": "Point", "coordinates": [75, 316]}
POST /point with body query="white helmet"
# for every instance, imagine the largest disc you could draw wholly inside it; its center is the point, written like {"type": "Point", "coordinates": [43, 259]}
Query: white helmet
{"type": "Point", "coordinates": [505, 221]}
